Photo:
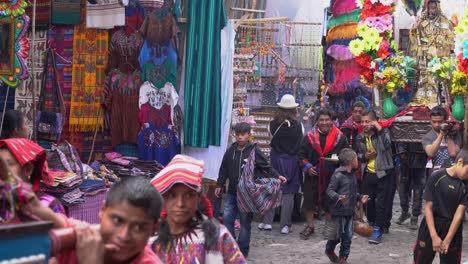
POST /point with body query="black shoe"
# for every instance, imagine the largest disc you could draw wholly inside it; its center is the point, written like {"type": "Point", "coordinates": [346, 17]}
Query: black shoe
{"type": "Point", "coordinates": [403, 217]}
{"type": "Point", "coordinates": [332, 256]}
{"type": "Point", "coordinates": [385, 230]}
{"type": "Point", "coordinates": [414, 223]}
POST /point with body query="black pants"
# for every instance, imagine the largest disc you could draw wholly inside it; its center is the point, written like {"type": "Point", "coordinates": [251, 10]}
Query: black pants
{"type": "Point", "coordinates": [412, 185]}
{"type": "Point", "coordinates": [423, 253]}
{"type": "Point", "coordinates": [381, 192]}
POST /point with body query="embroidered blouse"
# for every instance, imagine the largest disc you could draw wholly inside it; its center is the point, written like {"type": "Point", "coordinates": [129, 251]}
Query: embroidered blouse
{"type": "Point", "coordinates": [124, 51]}
{"type": "Point", "coordinates": [190, 248]}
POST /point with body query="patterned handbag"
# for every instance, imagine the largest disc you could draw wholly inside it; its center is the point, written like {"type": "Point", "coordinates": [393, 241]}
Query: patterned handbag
{"type": "Point", "coordinates": [256, 194]}
{"type": "Point", "coordinates": [48, 122]}
{"type": "Point", "coordinates": [65, 157]}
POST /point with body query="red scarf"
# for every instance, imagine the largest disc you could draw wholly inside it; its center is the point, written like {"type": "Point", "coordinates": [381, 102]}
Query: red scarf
{"type": "Point", "coordinates": [25, 151]}
{"type": "Point", "coordinates": [333, 138]}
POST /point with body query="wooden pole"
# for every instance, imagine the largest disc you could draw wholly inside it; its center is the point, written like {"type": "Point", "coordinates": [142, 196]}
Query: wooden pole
{"type": "Point", "coordinates": [33, 78]}
{"type": "Point", "coordinates": [465, 134]}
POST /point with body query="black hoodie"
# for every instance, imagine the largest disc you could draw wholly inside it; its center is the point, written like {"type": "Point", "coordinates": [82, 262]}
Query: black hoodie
{"type": "Point", "coordinates": [233, 161]}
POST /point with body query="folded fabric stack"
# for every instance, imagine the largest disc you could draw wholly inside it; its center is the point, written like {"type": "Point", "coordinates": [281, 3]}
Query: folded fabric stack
{"type": "Point", "coordinates": [119, 166]}
{"type": "Point", "coordinates": [100, 172]}
{"type": "Point", "coordinates": [65, 187]}
{"type": "Point", "coordinates": [91, 187]}
{"type": "Point", "coordinates": [95, 192]}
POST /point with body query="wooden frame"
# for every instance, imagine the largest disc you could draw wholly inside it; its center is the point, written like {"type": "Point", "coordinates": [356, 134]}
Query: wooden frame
{"type": "Point", "coordinates": [18, 49]}
{"type": "Point", "coordinates": [7, 46]}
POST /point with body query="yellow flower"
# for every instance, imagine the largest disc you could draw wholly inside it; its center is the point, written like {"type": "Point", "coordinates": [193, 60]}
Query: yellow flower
{"type": "Point", "coordinates": [367, 44]}
{"type": "Point", "coordinates": [376, 43]}
{"type": "Point", "coordinates": [361, 30]}
{"type": "Point", "coordinates": [356, 47]}
{"type": "Point", "coordinates": [460, 30]}
{"type": "Point", "coordinates": [372, 33]}
{"type": "Point", "coordinates": [463, 23]}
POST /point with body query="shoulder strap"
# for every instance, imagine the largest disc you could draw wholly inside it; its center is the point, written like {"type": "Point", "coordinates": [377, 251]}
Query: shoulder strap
{"type": "Point", "coordinates": [278, 129]}
{"type": "Point", "coordinates": [50, 54]}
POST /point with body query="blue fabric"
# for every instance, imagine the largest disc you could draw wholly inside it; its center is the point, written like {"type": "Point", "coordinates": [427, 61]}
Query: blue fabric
{"type": "Point", "coordinates": [288, 166]}
{"type": "Point", "coordinates": [89, 185]}
{"type": "Point", "coordinates": [160, 144]}
{"type": "Point", "coordinates": [346, 230]}
{"type": "Point", "coordinates": [16, 245]}
{"type": "Point", "coordinates": [231, 211]}
{"type": "Point", "coordinates": [157, 54]}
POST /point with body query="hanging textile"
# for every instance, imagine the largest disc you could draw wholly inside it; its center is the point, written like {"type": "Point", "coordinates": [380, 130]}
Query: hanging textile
{"type": "Point", "coordinates": [124, 50]}
{"type": "Point", "coordinates": [160, 144]}
{"type": "Point", "coordinates": [121, 105]}
{"type": "Point", "coordinates": [203, 73]}
{"type": "Point", "coordinates": [213, 155]}
{"type": "Point", "coordinates": [90, 48]}
{"type": "Point", "coordinates": [105, 14]}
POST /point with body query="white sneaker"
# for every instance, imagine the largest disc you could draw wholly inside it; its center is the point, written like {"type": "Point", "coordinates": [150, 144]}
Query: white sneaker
{"type": "Point", "coordinates": [261, 226]}
{"type": "Point", "coordinates": [267, 227]}
{"type": "Point", "coordinates": [285, 230]}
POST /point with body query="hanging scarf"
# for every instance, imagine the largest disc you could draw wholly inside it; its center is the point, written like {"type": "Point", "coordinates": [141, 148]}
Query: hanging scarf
{"type": "Point", "coordinates": [25, 151]}
{"type": "Point", "coordinates": [333, 138]}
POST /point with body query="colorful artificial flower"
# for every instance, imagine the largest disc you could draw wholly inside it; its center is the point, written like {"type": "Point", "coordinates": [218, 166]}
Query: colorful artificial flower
{"type": "Point", "coordinates": [387, 2]}
{"type": "Point", "coordinates": [356, 47]}
{"type": "Point", "coordinates": [462, 64]}
{"type": "Point", "coordinates": [459, 84]}
{"type": "Point", "coordinates": [361, 30]}
{"type": "Point", "coordinates": [360, 4]}
{"type": "Point", "coordinates": [14, 8]}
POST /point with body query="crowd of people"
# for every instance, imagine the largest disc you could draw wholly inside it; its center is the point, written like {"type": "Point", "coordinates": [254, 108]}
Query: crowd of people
{"type": "Point", "coordinates": [168, 219]}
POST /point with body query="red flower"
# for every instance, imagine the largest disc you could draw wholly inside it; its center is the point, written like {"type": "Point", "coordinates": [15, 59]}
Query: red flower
{"type": "Point", "coordinates": [368, 74]}
{"type": "Point", "coordinates": [364, 60]}
{"type": "Point", "coordinates": [383, 52]}
{"type": "Point", "coordinates": [374, 10]}
{"type": "Point", "coordinates": [462, 64]}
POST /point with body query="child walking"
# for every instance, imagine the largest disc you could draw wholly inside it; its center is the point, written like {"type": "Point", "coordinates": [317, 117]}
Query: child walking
{"type": "Point", "coordinates": [342, 191]}
{"type": "Point", "coordinates": [231, 168]}
{"type": "Point", "coordinates": [441, 231]}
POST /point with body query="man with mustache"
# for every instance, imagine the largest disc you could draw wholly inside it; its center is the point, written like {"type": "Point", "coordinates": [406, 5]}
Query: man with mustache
{"type": "Point", "coordinates": [321, 142]}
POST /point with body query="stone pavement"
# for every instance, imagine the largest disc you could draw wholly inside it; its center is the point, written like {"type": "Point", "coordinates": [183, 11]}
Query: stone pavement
{"type": "Point", "coordinates": [397, 246]}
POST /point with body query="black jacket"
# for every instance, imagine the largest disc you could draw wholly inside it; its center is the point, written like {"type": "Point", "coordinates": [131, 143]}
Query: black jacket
{"type": "Point", "coordinates": [343, 183]}
{"type": "Point", "coordinates": [234, 159]}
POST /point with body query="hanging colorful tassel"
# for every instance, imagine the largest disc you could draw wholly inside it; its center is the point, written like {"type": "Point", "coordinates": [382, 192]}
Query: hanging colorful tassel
{"type": "Point", "coordinates": [344, 31]}
{"type": "Point", "coordinates": [346, 18]}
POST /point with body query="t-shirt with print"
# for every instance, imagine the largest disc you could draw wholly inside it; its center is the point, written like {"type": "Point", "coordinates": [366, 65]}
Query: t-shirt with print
{"type": "Point", "coordinates": [442, 157]}
{"type": "Point", "coordinates": [446, 194]}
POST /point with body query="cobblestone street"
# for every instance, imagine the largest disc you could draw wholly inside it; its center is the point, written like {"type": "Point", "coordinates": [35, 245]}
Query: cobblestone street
{"type": "Point", "coordinates": [397, 246]}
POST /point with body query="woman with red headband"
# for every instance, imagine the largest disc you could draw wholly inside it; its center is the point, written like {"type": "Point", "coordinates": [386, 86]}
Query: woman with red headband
{"type": "Point", "coordinates": [28, 161]}
{"type": "Point", "coordinates": [186, 235]}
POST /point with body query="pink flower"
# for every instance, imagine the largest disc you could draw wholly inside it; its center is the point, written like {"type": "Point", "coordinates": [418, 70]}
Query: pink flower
{"type": "Point", "coordinates": [380, 27]}
{"type": "Point", "coordinates": [370, 22]}
{"type": "Point", "coordinates": [386, 19]}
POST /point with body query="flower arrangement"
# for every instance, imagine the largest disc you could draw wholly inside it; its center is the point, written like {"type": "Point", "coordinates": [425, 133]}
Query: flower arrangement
{"type": "Point", "coordinates": [374, 31]}
{"type": "Point", "coordinates": [443, 71]}
{"type": "Point", "coordinates": [395, 73]}
{"type": "Point", "coordinates": [460, 77]}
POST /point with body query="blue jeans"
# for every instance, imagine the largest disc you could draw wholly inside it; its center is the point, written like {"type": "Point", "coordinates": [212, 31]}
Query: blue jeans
{"type": "Point", "coordinates": [346, 231]}
{"type": "Point", "coordinates": [230, 214]}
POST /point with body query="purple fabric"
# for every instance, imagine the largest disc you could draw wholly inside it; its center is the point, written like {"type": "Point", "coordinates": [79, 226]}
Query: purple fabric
{"type": "Point", "coordinates": [288, 166]}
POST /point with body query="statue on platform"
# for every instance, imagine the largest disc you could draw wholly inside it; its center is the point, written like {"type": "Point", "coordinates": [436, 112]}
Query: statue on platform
{"type": "Point", "coordinates": [431, 36]}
